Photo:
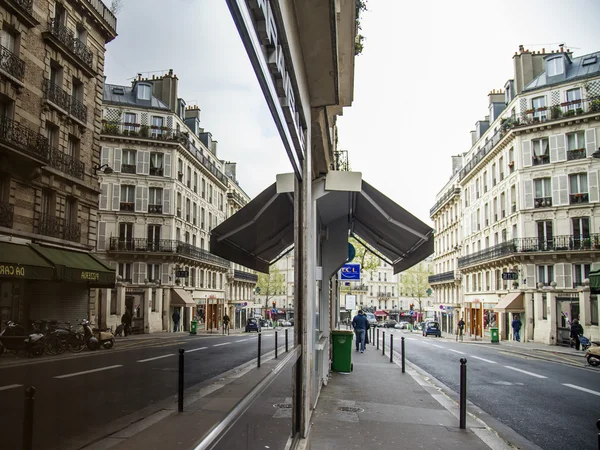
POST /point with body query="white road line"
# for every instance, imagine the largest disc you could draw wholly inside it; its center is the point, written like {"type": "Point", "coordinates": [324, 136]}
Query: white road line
{"type": "Point", "coordinates": [483, 359]}
{"type": "Point", "coordinates": [225, 343]}
{"type": "Point", "coordinates": [196, 349]}
{"type": "Point", "coordinates": [525, 372]}
{"type": "Point", "coordinates": [88, 371]}
{"type": "Point", "coordinates": [456, 351]}
{"type": "Point", "coordinates": [156, 357]}
{"type": "Point", "coordinates": [242, 340]}
{"type": "Point", "coordinates": [589, 391]}
{"type": "Point", "coordinates": [411, 339]}
{"type": "Point", "coordinates": [10, 386]}
{"type": "Point", "coordinates": [438, 346]}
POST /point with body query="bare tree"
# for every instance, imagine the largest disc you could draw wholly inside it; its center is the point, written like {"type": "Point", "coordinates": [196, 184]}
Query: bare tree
{"type": "Point", "coordinates": [270, 284]}
{"type": "Point", "coordinates": [116, 6]}
{"type": "Point", "coordinates": [414, 282]}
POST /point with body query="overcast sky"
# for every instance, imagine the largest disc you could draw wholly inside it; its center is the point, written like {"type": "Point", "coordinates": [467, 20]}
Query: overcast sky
{"type": "Point", "coordinates": [420, 84]}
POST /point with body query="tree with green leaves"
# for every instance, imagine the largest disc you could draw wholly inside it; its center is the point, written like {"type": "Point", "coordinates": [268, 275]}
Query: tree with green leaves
{"type": "Point", "coordinates": [414, 282]}
{"type": "Point", "coordinates": [270, 284]}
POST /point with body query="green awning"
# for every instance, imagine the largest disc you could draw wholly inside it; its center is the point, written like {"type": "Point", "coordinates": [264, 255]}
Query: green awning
{"type": "Point", "coordinates": [20, 261]}
{"type": "Point", "coordinates": [74, 266]}
{"type": "Point", "coordinates": [595, 281]}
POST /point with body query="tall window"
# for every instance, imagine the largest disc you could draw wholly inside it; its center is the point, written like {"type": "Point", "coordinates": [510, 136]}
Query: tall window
{"type": "Point", "coordinates": [574, 98]}
{"type": "Point", "coordinates": [157, 126]}
{"type": "Point", "coordinates": [156, 164]}
{"type": "Point", "coordinates": [581, 232]}
{"type": "Point", "coordinates": [129, 122]}
{"type": "Point", "coordinates": [545, 275]}
{"type": "Point", "coordinates": [196, 182]}
{"type": "Point", "coordinates": [154, 236]}
{"type": "Point", "coordinates": [81, 33]}
{"type": "Point", "coordinates": [73, 146]}
{"type": "Point", "coordinates": [188, 210]}
{"type": "Point", "coordinates": [537, 103]}
{"type": "Point", "coordinates": [10, 40]}
{"type": "Point", "coordinates": [579, 188]}
{"type": "Point", "coordinates": [53, 134]}
{"type": "Point", "coordinates": [125, 236]}
{"type": "Point", "coordinates": [128, 162]}
{"type": "Point", "coordinates": [189, 177]}
{"type": "Point", "coordinates": [540, 151]}
{"type": "Point", "coordinates": [202, 212]}
{"type": "Point", "coordinates": [576, 145]}
{"type": "Point", "coordinates": [544, 234]}
{"type": "Point", "coordinates": [543, 192]}
{"type": "Point", "coordinates": [580, 273]}
{"type": "Point", "coordinates": [153, 273]}
{"type": "Point", "coordinates": [179, 205]}
{"type": "Point", "coordinates": [144, 92]}
{"type": "Point", "coordinates": [155, 196]}
{"type": "Point", "coordinates": [203, 188]}
{"type": "Point", "coordinates": [125, 271]}
{"type": "Point", "coordinates": [127, 197]}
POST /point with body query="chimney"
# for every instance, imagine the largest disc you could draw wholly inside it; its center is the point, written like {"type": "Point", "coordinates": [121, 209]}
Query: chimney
{"type": "Point", "coordinates": [527, 66]}
{"type": "Point", "coordinates": [230, 170]}
{"type": "Point", "coordinates": [165, 88]}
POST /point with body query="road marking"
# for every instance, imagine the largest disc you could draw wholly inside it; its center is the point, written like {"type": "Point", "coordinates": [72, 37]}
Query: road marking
{"type": "Point", "coordinates": [242, 340]}
{"type": "Point", "coordinates": [88, 371]}
{"type": "Point", "coordinates": [196, 349]}
{"type": "Point", "coordinates": [225, 343]}
{"type": "Point", "coordinates": [438, 346]}
{"type": "Point", "coordinates": [411, 339]}
{"type": "Point", "coordinates": [156, 357]}
{"type": "Point", "coordinates": [456, 351]}
{"type": "Point", "coordinates": [589, 391]}
{"type": "Point", "coordinates": [483, 359]}
{"type": "Point", "coordinates": [10, 386]}
{"type": "Point", "coordinates": [525, 372]}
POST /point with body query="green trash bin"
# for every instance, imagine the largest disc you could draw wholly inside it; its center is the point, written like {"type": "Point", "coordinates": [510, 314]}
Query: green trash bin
{"type": "Point", "coordinates": [342, 350]}
{"type": "Point", "coordinates": [193, 327]}
{"type": "Point", "coordinates": [494, 335]}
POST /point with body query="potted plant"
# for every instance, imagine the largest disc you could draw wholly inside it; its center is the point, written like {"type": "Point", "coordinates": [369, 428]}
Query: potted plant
{"type": "Point", "coordinates": [570, 113]}
{"type": "Point", "coordinates": [530, 111]}
{"type": "Point", "coordinates": [144, 130]}
{"type": "Point", "coordinates": [556, 112]}
{"type": "Point", "coordinates": [579, 111]}
{"type": "Point", "coordinates": [595, 105]}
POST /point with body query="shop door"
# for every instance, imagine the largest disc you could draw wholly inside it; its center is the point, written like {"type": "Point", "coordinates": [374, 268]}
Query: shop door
{"type": "Point", "coordinates": [567, 309]}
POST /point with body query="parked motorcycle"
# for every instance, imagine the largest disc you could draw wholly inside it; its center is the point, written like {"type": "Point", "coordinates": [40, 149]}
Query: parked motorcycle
{"type": "Point", "coordinates": [95, 337]}
{"type": "Point", "coordinates": [593, 354]}
{"type": "Point", "coordinates": [60, 338]}
{"type": "Point", "coordinates": [18, 340]}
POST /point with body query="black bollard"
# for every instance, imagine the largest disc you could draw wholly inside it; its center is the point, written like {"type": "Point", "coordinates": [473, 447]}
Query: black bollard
{"type": "Point", "coordinates": [377, 338]}
{"type": "Point", "coordinates": [463, 393]}
{"type": "Point", "coordinates": [180, 384]}
{"type": "Point", "coordinates": [28, 418]}
{"type": "Point", "coordinates": [391, 348]}
{"type": "Point", "coordinates": [276, 345]}
{"type": "Point", "coordinates": [598, 426]}
{"type": "Point", "coordinates": [373, 336]}
{"type": "Point", "coordinates": [402, 349]}
{"type": "Point", "coordinates": [259, 345]}
{"type": "Point", "coordinates": [383, 343]}
{"type": "Point", "coordinates": [286, 341]}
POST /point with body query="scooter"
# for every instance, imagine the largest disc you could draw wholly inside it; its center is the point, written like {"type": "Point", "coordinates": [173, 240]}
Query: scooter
{"type": "Point", "coordinates": [17, 340]}
{"type": "Point", "coordinates": [95, 338]}
{"type": "Point", "coordinates": [593, 354]}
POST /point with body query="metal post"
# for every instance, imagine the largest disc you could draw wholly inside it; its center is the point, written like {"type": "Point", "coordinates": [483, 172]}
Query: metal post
{"type": "Point", "coordinates": [402, 349]}
{"type": "Point", "coordinates": [463, 393]}
{"type": "Point", "coordinates": [28, 418]}
{"type": "Point", "coordinates": [391, 348]}
{"type": "Point", "coordinates": [598, 426]}
{"type": "Point", "coordinates": [377, 338]}
{"type": "Point", "coordinates": [180, 384]}
{"type": "Point", "coordinates": [373, 336]}
{"type": "Point", "coordinates": [286, 341]}
{"type": "Point", "coordinates": [276, 344]}
{"type": "Point", "coordinates": [383, 343]}
{"type": "Point", "coordinates": [259, 345]}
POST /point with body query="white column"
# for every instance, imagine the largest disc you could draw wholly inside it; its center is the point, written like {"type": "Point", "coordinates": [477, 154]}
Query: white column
{"type": "Point", "coordinates": [147, 308]}
{"type": "Point", "coordinates": [551, 301]}
{"type": "Point", "coordinates": [159, 305]}
{"type": "Point", "coordinates": [121, 300]}
{"type": "Point", "coordinates": [585, 316]}
{"type": "Point", "coordinates": [105, 313]}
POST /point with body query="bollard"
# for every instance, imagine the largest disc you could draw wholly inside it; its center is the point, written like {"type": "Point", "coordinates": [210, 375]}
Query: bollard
{"type": "Point", "coordinates": [373, 336]}
{"type": "Point", "coordinates": [463, 393]}
{"type": "Point", "coordinates": [391, 348]}
{"type": "Point", "coordinates": [383, 343]}
{"type": "Point", "coordinates": [259, 345]}
{"type": "Point", "coordinates": [275, 344]}
{"type": "Point", "coordinates": [598, 426]}
{"type": "Point", "coordinates": [180, 384]}
{"type": "Point", "coordinates": [377, 338]}
{"type": "Point", "coordinates": [402, 349]}
{"type": "Point", "coordinates": [286, 341]}
{"type": "Point", "coordinates": [28, 418]}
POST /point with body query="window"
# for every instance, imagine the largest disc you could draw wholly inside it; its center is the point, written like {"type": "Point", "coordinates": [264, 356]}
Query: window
{"type": "Point", "coordinates": [179, 205]}
{"type": "Point", "coordinates": [53, 134]}
{"type": "Point", "coordinates": [156, 164]}
{"type": "Point", "coordinates": [188, 210]}
{"type": "Point", "coordinates": [77, 90]}
{"type": "Point", "coordinates": [48, 203]}
{"type": "Point", "coordinates": [157, 126]}
{"type": "Point", "coordinates": [155, 196]}
{"type": "Point", "coordinates": [202, 218]}
{"type": "Point", "coordinates": [593, 309]}
{"type": "Point", "coordinates": [573, 99]}
{"type": "Point", "coordinates": [128, 161]}
{"type": "Point", "coordinates": [540, 151]}
{"type": "Point", "coordinates": [545, 275]}
{"type": "Point", "coordinates": [10, 40]}
{"type": "Point", "coordinates": [544, 307]}
{"type": "Point", "coordinates": [579, 188]}
{"type": "Point", "coordinates": [501, 167]}
{"type": "Point", "coordinates": [154, 237]}
{"type": "Point", "coordinates": [209, 221]}
{"type": "Point", "coordinates": [56, 74]}
{"type": "Point", "coordinates": [203, 188]}
{"type": "Point", "coordinates": [494, 174]}
{"type": "Point", "coordinates": [539, 103]}
{"type": "Point", "coordinates": [81, 33]}
{"type": "Point", "coordinates": [129, 122]}
{"type": "Point", "coordinates": [196, 182]}
{"type": "Point", "coordinates": [576, 145]}
{"type": "Point", "coordinates": [580, 273]}
{"type": "Point", "coordinates": [153, 273]}
{"type": "Point", "coordinates": [125, 235]}
{"type": "Point", "coordinates": [485, 180]}
{"type": "Point", "coordinates": [73, 146]}
{"type": "Point", "coordinates": [210, 194]}
{"type": "Point", "coordinates": [555, 66]}
{"type": "Point", "coordinates": [125, 271]}
{"type": "Point", "coordinates": [127, 197]}
{"type": "Point", "coordinates": [144, 92]}
{"type": "Point", "coordinates": [543, 192]}
{"type": "Point", "coordinates": [544, 234]}
{"type": "Point", "coordinates": [581, 232]}
{"type": "Point", "coordinates": [195, 214]}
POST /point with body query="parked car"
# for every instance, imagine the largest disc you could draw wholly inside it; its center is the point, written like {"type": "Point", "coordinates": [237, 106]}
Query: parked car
{"type": "Point", "coordinates": [372, 319]}
{"type": "Point", "coordinates": [389, 323]}
{"type": "Point", "coordinates": [284, 323]}
{"type": "Point", "coordinates": [252, 325]}
{"type": "Point", "coordinates": [401, 325]}
{"type": "Point", "coordinates": [291, 321]}
{"type": "Point", "coordinates": [433, 328]}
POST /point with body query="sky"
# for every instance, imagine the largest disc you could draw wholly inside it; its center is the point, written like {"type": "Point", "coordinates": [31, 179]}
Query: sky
{"type": "Point", "coordinates": [421, 82]}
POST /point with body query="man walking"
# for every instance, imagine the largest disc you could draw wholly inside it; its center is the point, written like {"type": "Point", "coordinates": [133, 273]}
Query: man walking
{"type": "Point", "coordinates": [576, 331]}
{"type": "Point", "coordinates": [516, 326]}
{"type": "Point", "coordinates": [226, 324]}
{"type": "Point", "coordinates": [360, 325]}
{"type": "Point", "coordinates": [176, 318]}
{"type": "Point", "coordinates": [126, 322]}
{"type": "Point", "coordinates": [461, 329]}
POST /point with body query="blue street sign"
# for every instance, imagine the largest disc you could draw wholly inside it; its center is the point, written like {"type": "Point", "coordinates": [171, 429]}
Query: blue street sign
{"type": "Point", "coordinates": [411, 313]}
{"type": "Point", "coordinates": [350, 271]}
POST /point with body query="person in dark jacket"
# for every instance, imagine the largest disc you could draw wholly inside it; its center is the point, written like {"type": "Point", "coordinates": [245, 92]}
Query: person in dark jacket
{"type": "Point", "coordinates": [516, 326]}
{"type": "Point", "coordinates": [176, 318]}
{"type": "Point", "coordinates": [126, 321]}
{"type": "Point", "coordinates": [360, 325]}
{"type": "Point", "coordinates": [576, 331]}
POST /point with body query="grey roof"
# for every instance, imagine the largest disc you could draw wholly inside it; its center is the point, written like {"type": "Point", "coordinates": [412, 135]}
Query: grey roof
{"type": "Point", "coordinates": [128, 97]}
{"type": "Point", "coordinates": [574, 71]}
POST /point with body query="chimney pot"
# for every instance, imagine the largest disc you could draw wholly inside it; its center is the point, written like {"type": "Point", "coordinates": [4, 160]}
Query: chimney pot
{"type": "Point", "coordinates": [139, 76]}
{"type": "Point", "coordinates": [170, 72]}
{"type": "Point", "coordinates": [543, 50]}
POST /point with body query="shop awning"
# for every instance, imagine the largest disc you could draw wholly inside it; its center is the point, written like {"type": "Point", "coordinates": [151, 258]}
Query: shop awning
{"type": "Point", "coordinates": [77, 267]}
{"type": "Point", "coordinates": [181, 297]}
{"type": "Point", "coordinates": [21, 261]}
{"type": "Point", "coordinates": [380, 313]}
{"type": "Point", "coordinates": [262, 230]}
{"type": "Point", "coordinates": [594, 278]}
{"type": "Point", "coordinates": [510, 302]}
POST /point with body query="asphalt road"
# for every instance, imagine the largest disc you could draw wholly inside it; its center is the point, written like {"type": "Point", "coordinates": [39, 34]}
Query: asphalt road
{"type": "Point", "coordinates": [552, 404]}
{"type": "Point", "coordinates": [76, 397]}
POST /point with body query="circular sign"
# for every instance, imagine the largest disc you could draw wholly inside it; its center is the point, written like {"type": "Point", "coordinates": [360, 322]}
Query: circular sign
{"type": "Point", "coordinates": [351, 252]}
{"type": "Point", "coordinates": [245, 303]}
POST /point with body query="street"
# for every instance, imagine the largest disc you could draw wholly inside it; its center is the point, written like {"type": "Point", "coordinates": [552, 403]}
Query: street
{"type": "Point", "coordinates": [552, 404]}
{"type": "Point", "coordinates": [81, 397]}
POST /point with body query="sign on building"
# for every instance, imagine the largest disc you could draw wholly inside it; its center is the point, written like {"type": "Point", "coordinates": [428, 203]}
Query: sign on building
{"type": "Point", "coordinates": [350, 271]}
{"type": "Point", "coordinates": [350, 302]}
{"type": "Point", "coordinates": [510, 276]}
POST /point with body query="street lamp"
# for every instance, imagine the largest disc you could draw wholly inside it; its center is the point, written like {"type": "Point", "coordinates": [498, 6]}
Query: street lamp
{"type": "Point", "coordinates": [99, 168]}
{"type": "Point", "coordinates": [596, 154]}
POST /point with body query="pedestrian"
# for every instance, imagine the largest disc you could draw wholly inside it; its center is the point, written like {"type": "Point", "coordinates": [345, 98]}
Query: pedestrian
{"type": "Point", "coordinates": [461, 328]}
{"type": "Point", "coordinates": [176, 318]}
{"type": "Point", "coordinates": [126, 322]}
{"type": "Point", "coordinates": [360, 325]}
{"type": "Point", "coordinates": [516, 326]}
{"type": "Point", "coordinates": [576, 331]}
{"type": "Point", "coordinates": [226, 324]}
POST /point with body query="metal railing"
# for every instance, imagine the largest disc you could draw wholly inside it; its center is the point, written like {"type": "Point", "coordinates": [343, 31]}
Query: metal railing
{"type": "Point", "coordinates": [7, 212]}
{"type": "Point", "coordinates": [25, 5]}
{"type": "Point", "coordinates": [58, 227]}
{"type": "Point", "coordinates": [445, 276]}
{"type": "Point", "coordinates": [64, 100]}
{"type": "Point", "coordinates": [447, 196]}
{"type": "Point", "coordinates": [24, 139]}
{"type": "Point", "coordinates": [67, 38]}
{"type": "Point", "coordinates": [155, 209]}
{"type": "Point", "coordinates": [67, 164]}
{"type": "Point", "coordinates": [11, 63]}
{"type": "Point", "coordinates": [542, 202]}
{"type": "Point", "coordinates": [238, 198]}
{"type": "Point", "coordinates": [241, 275]}
{"type": "Point", "coordinates": [142, 245]}
{"type": "Point", "coordinates": [582, 197]}
{"type": "Point", "coordinates": [78, 109]}
{"type": "Point", "coordinates": [540, 160]}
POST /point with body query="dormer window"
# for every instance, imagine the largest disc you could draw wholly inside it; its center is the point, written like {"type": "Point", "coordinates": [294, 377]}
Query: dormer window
{"type": "Point", "coordinates": [555, 66]}
{"type": "Point", "coordinates": [144, 92]}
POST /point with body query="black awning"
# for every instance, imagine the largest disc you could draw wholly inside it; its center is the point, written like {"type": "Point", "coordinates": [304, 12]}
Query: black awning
{"type": "Point", "coordinates": [21, 261]}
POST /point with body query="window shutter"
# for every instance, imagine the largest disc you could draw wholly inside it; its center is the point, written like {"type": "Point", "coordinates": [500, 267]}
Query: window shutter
{"type": "Point", "coordinates": [530, 278]}
{"type": "Point", "coordinates": [105, 156]}
{"type": "Point", "coordinates": [167, 164]}
{"type": "Point", "coordinates": [164, 279]}
{"type": "Point", "coordinates": [553, 148]}
{"type": "Point", "coordinates": [101, 236]}
{"type": "Point", "coordinates": [145, 191]}
{"type": "Point", "coordinates": [561, 149]}
{"type": "Point", "coordinates": [139, 162]}
{"type": "Point", "coordinates": [473, 221]}
{"type": "Point", "coordinates": [166, 201]}
{"type": "Point", "coordinates": [118, 158]}
{"type": "Point", "coordinates": [138, 198]}
{"type": "Point", "coordinates": [103, 196]}
{"type": "Point", "coordinates": [526, 147]}
{"type": "Point", "coordinates": [136, 273]}
{"type": "Point", "coordinates": [568, 275]}
{"type": "Point", "coordinates": [146, 163]}
{"type": "Point", "coordinates": [142, 273]}
{"type": "Point", "coordinates": [116, 197]}
{"type": "Point", "coordinates": [560, 190]}
{"type": "Point", "coordinates": [593, 185]}
{"type": "Point", "coordinates": [528, 194]}
{"type": "Point", "coordinates": [590, 141]}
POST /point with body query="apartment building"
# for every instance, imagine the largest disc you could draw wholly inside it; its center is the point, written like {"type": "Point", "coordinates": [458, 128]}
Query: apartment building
{"type": "Point", "coordinates": [529, 197]}
{"type": "Point", "coordinates": [163, 189]}
{"type": "Point", "coordinates": [51, 69]}
{"type": "Point", "coordinates": [283, 300]}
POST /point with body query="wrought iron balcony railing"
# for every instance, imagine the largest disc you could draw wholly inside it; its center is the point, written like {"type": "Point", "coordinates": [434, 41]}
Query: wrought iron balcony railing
{"type": "Point", "coordinates": [582, 197]}
{"type": "Point", "coordinates": [542, 202]}
{"type": "Point", "coordinates": [58, 227]}
{"type": "Point", "coordinates": [447, 196]}
{"type": "Point", "coordinates": [28, 141]}
{"type": "Point", "coordinates": [445, 276]}
{"type": "Point", "coordinates": [78, 109]}
{"type": "Point", "coordinates": [578, 153]}
{"type": "Point", "coordinates": [75, 46]}
{"type": "Point", "coordinates": [7, 212]}
{"type": "Point", "coordinates": [155, 209]}
{"type": "Point", "coordinates": [165, 246]}
{"type": "Point", "coordinates": [67, 164]}
{"type": "Point", "coordinates": [57, 95]}
{"type": "Point", "coordinates": [237, 198]}
{"type": "Point", "coordinates": [241, 275]}
{"type": "Point", "coordinates": [128, 168]}
{"type": "Point", "coordinates": [11, 63]}
{"type": "Point", "coordinates": [540, 160]}
{"type": "Point", "coordinates": [127, 206]}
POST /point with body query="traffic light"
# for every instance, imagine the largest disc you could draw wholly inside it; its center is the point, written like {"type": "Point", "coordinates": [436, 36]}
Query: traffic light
{"type": "Point", "coordinates": [273, 304]}
{"type": "Point", "coordinates": [411, 307]}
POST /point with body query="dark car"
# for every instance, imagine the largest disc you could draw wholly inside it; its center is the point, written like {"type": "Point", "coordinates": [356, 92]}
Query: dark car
{"type": "Point", "coordinates": [390, 324]}
{"type": "Point", "coordinates": [433, 328]}
{"type": "Point", "coordinates": [252, 325]}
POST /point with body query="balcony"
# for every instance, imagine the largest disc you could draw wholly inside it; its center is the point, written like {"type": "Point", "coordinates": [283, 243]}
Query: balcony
{"type": "Point", "coordinates": [24, 10]}
{"type": "Point", "coordinates": [78, 109]}
{"type": "Point", "coordinates": [575, 199]}
{"type": "Point", "coordinates": [67, 164]}
{"type": "Point", "coordinates": [540, 160]}
{"type": "Point", "coordinates": [128, 168]}
{"type": "Point", "coordinates": [64, 41]}
{"type": "Point", "coordinates": [245, 276]}
{"type": "Point", "coordinates": [127, 206]}
{"type": "Point", "coordinates": [63, 100]}
{"type": "Point", "coordinates": [447, 196]}
{"type": "Point", "coordinates": [237, 198]}
{"type": "Point", "coordinates": [542, 202]}
{"type": "Point", "coordinates": [439, 277]}
{"type": "Point", "coordinates": [155, 209]}
{"type": "Point", "coordinates": [12, 64]}
{"type": "Point", "coordinates": [7, 212]}
{"type": "Point", "coordinates": [156, 171]}
{"type": "Point", "coordinates": [59, 228]}
{"type": "Point", "coordinates": [108, 18]}
{"type": "Point", "coordinates": [164, 247]}
{"type": "Point", "coordinates": [578, 153]}
{"type": "Point", "coordinates": [21, 138]}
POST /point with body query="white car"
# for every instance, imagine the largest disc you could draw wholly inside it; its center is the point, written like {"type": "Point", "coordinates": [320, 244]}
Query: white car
{"type": "Point", "coordinates": [401, 325]}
